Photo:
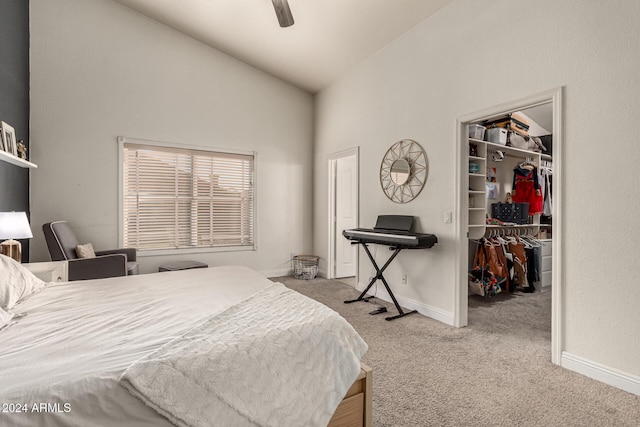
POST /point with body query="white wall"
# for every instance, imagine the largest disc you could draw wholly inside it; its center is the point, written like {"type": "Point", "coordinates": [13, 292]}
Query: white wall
{"type": "Point", "coordinates": [99, 70]}
{"type": "Point", "coordinates": [470, 56]}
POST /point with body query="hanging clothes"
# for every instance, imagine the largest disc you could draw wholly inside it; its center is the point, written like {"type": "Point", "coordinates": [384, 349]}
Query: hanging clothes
{"type": "Point", "coordinates": [548, 202]}
{"type": "Point", "coordinates": [520, 263]}
{"type": "Point", "coordinates": [533, 274]}
{"type": "Point", "coordinates": [526, 188]}
{"type": "Point", "coordinates": [482, 279]}
{"type": "Point", "coordinates": [488, 252]}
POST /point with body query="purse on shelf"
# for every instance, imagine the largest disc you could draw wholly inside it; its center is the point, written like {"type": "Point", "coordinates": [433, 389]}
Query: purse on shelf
{"type": "Point", "coordinates": [530, 143]}
{"type": "Point", "coordinates": [517, 213]}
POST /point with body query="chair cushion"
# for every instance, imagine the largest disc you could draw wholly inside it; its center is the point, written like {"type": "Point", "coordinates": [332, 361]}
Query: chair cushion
{"type": "Point", "coordinates": [85, 251]}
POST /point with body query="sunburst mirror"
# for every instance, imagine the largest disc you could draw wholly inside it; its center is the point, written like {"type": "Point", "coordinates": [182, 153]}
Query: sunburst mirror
{"type": "Point", "coordinates": [403, 171]}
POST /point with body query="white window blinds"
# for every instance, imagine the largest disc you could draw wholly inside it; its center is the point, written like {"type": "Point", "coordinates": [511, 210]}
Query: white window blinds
{"type": "Point", "coordinates": [181, 198]}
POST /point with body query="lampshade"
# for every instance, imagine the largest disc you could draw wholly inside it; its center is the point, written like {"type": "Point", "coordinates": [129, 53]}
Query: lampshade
{"type": "Point", "coordinates": [14, 225]}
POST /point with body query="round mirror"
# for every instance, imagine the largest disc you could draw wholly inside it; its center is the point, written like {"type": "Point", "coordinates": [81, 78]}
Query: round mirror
{"type": "Point", "coordinates": [403, 171]}
{"type": "Point", "coordinates": [400, 170]}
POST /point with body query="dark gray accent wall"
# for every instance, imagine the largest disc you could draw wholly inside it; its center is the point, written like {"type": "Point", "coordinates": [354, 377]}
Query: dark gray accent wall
{"type": "Point", "coordinates": [14, 102]}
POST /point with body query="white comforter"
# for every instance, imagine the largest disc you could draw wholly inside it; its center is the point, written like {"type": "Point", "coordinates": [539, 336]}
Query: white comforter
{"type": "Point", "coordinates": [275, 359]}
{"type": "Point", "coordinates": [78, 338]}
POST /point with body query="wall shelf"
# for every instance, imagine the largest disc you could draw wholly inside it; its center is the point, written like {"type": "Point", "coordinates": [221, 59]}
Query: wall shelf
{"type": "Point", "coordinates": [14, 160]}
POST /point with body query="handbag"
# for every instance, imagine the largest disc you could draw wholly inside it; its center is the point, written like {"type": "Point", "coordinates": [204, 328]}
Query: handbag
{"type": "Point", "coordinates": [482, 280]}
{"type": "Point", "coordinates": [517, 213]}
{"type": "Point", "coordinates": [529, 143]}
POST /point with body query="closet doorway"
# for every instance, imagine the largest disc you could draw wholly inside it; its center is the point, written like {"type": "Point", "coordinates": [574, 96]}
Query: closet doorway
{"type": "Point", "coordinates": [475, 198]}
{"type": "Point", "coordinates": [343, 214]}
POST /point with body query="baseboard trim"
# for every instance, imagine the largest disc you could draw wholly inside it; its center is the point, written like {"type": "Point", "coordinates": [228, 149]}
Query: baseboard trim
{"type": "Point", "coordinates": [611, 376]}
{"type": "Point", "coordinates": [408, 303]}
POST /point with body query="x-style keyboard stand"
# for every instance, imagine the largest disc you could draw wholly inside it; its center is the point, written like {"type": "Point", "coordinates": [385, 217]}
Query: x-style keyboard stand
{"type": "Point", "coordinates": [379, 276]}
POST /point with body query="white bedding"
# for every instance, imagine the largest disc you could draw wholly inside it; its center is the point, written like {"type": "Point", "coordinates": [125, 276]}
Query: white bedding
{"type": "Point", "coordinates": [61, 363]}
{"type": "Point", "coordinates": [276, 359]}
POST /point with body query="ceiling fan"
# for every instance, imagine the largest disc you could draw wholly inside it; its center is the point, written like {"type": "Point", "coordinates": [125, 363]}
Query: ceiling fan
{"type": "Point", "coordinates": [285, 18]}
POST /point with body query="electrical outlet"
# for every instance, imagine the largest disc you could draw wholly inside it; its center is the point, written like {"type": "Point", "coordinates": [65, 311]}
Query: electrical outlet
{"type": "Point", "coordinates": [404, 279]}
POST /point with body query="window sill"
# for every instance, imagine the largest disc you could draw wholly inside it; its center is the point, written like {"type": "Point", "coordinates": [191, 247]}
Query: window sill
{"type": "Point", "coordinates": [186, 251]}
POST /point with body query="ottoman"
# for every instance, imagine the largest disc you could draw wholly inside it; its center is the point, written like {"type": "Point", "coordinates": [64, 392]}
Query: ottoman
{"type": "Point", "coordinates": [181, 265]}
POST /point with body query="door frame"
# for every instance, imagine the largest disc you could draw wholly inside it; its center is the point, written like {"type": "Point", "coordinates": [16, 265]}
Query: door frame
{"type": "Point", "coordinates": [461, 295]}
{"type": "Point", "coordinates": [332, 163]}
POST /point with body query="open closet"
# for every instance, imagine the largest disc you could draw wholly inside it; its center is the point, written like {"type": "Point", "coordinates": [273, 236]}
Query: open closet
{"type": "Point", "coordinates": [510, 202]}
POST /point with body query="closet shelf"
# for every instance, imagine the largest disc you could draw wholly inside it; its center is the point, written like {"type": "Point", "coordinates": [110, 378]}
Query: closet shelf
{"type": "Point", "coordinates": [476, 192]}
{"type": "Point", "coordinates": [477, 174]}
{"type": "Point", "coordinates": [515, 150]}
{"type": "Point", "coordinates": [477, 158]}
{"type": "Point", "coordinates": [512, 226]}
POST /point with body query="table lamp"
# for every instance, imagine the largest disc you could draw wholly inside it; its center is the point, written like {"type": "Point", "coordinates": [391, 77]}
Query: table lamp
{"type": "Point", "coordinates": [13, 225]}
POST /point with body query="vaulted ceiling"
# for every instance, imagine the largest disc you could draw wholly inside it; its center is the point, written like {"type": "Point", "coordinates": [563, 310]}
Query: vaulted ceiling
{"type": "Point", "coordinates": [328, 38]}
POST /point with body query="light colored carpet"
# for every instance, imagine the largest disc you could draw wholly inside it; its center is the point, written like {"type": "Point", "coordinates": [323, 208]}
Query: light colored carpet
{"type": "Point", "coordinates": [495, 372]}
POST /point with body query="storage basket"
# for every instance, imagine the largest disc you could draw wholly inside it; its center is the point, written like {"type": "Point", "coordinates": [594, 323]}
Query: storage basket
{"type": "Point", "coordinates": [476, 131]}
{"type": "Point", "coordinates": [305, 266]}
{"type": "Point", "coordinates": [497, 136]}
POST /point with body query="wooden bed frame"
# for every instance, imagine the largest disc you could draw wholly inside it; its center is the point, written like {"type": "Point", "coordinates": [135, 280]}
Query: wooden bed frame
{"type": "Point", "coordinates": [355, 408]}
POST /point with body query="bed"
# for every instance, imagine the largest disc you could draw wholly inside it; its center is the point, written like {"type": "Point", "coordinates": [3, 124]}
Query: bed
{"type": "Point", "coordinates": [216, 346]}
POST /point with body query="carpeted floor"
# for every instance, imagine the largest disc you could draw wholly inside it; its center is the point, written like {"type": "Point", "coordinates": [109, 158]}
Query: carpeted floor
{"type": "Point", "coordinates": [494, 372]}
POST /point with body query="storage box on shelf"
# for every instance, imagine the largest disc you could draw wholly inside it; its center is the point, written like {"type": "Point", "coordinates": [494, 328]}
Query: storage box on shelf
{"type": "Point", "coordinates": [497, 135]}
{"type": "Point", "coordinates": [476, 131]}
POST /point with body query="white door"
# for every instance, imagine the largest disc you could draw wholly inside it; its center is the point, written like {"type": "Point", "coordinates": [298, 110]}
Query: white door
{"type": "Point", "coordinates": [346, 211]}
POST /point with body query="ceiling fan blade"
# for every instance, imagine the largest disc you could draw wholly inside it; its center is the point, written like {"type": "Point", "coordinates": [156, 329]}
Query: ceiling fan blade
{"type": "Point", "coordinates": [285, 18]}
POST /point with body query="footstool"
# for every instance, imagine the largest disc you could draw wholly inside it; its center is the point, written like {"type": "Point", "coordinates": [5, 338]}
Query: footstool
{"type": "Point", "coordinates": [181, 265]}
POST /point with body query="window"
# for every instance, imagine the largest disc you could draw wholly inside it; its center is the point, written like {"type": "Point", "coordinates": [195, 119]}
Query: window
{"type": "Point", "coordinates": [176, 198]}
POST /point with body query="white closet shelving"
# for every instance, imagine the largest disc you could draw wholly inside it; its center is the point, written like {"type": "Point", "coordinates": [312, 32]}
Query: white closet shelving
{"type": "Point", "coordinates": [477, 194]}
{"type": "Point", "coordinates": [479, 204]}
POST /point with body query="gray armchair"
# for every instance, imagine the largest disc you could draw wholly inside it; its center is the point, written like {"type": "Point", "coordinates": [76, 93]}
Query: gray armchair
{"type": "Point", "coordinates": [62, 242]}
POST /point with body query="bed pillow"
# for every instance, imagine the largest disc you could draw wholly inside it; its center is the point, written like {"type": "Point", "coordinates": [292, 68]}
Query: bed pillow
{"type": "Point", "coordinates": [5, 318]}
{"type": "Point", "coordinates": [16, 283]}
{"type": "Point", "coordinates": [85, 251]}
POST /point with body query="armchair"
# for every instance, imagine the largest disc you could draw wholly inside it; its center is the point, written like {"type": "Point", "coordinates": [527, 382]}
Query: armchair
{"type": "Point", "coordinates": [62, 242]}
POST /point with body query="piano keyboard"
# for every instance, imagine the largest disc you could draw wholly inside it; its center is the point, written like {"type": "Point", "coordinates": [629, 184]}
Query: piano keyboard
{"type": "Point", "coordinates": [391, 237]}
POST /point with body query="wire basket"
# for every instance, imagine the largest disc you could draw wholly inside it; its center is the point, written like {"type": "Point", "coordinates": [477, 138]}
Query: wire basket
{"type": "Point", "coordinates": [305, 266]}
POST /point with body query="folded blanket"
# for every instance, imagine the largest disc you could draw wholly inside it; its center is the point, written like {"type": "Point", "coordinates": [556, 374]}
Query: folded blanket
{"type": "Point", "coordinates": [276, 359]}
